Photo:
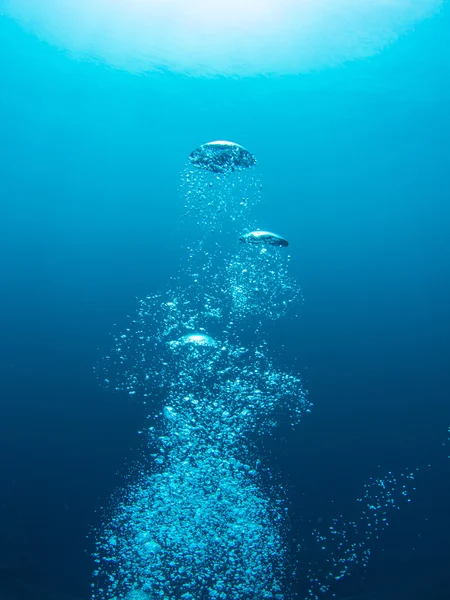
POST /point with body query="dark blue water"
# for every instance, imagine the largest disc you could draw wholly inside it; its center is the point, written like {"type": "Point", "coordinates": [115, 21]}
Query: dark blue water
{"type": "Point", "coordinates": [354, 163]}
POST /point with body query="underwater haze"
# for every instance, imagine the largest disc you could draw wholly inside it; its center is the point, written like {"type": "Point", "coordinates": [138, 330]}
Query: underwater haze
{"type": "Point", "coordinates": [226, 367]}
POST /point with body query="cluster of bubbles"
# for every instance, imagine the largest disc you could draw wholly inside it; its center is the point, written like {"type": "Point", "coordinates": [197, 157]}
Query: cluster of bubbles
{"type": "Point", "coordinates": [199, 528]}
{"type": "Point", "coordinates": [246, 268]}
{"type": "Point", "coordinates": [218, 185]}
{"type": "Point", "coordinates": [164, 347]}
{"type": "Point", "coordinates": [259, 283]}
{"type": "Point", "coordinates": [343, 544]}
{"type": "Point", "coordinates": [201, 518]}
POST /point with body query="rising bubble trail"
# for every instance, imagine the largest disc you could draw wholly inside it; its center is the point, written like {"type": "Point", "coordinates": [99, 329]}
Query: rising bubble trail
{"type": "Point", "coordinates": [201, 518]}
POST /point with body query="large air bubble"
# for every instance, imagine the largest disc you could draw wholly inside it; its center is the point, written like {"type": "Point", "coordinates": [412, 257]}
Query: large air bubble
{"type": "Point", "coordinates": [203, 37]}
{"type": "Point", "coordinates": [263, 238]}
{"type": "Point", "coordinates": [222, 157]}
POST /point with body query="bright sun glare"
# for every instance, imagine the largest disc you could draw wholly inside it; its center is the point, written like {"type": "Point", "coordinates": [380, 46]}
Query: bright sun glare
{"type": "Point", "coordinates": [227, 37]}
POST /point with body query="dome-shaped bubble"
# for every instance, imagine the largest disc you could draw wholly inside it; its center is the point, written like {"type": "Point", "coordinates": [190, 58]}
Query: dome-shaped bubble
{"type": "Point", "coordinates": [222, 157]}
{"type": "Point", "coordinates": [196, 340]}
{"type": "Point", "coordinates": [264, 237]}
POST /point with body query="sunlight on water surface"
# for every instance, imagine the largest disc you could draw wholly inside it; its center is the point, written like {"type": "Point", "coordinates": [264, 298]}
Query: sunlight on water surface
{"type": "Point", "coordinates": [238, 37]}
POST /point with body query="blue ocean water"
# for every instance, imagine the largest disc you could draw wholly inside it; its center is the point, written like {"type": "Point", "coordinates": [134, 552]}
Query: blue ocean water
{"type": "Point", "coordinates": [354, 167]}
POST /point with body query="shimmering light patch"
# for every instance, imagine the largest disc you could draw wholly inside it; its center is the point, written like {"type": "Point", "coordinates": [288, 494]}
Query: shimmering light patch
{"type": "Point", "coordinates": [205, 37]}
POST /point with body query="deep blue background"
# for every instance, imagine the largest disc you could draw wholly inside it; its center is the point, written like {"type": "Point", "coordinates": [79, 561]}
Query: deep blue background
{"type": "Point", "coordinates": [355, 167]}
